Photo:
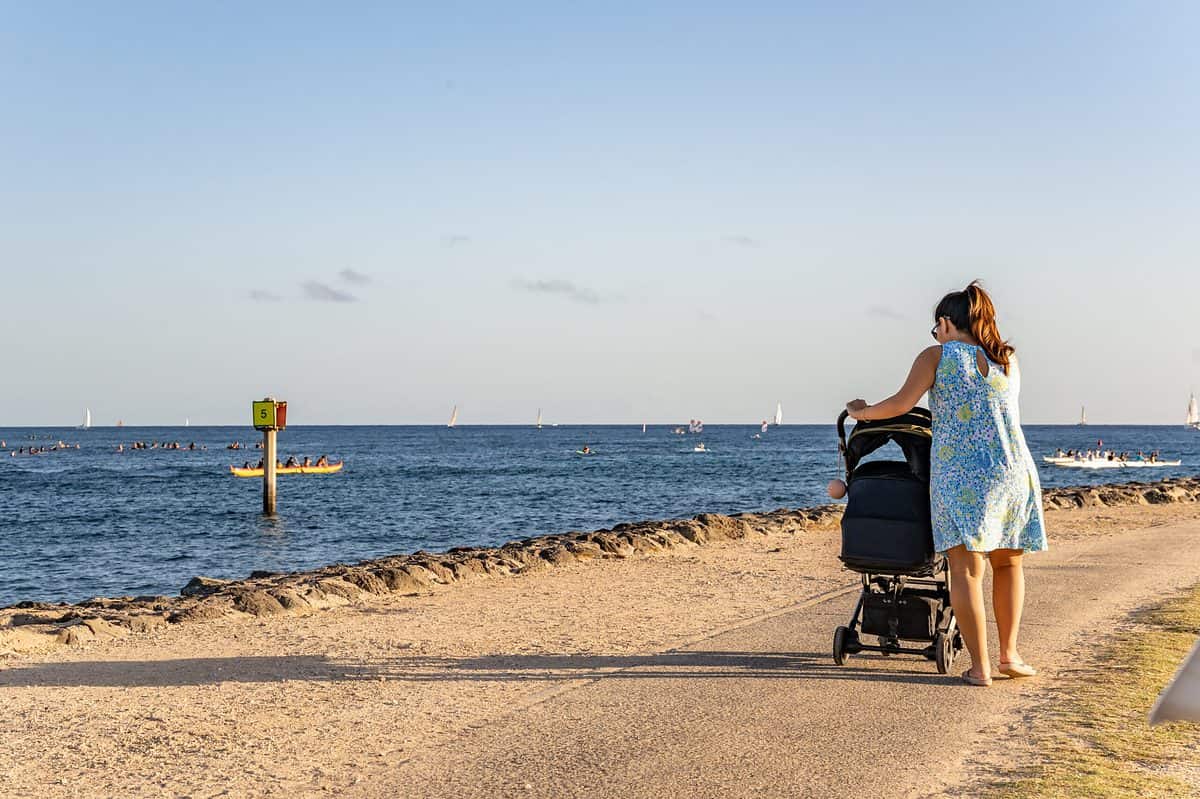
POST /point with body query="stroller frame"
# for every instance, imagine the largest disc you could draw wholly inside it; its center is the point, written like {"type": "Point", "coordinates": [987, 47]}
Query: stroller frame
{"type": "Point", "coordinates": [888, 588]}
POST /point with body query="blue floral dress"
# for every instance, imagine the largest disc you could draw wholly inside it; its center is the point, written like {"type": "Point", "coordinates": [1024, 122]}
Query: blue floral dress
{"type": "Point", "coordinates": [984, 488]}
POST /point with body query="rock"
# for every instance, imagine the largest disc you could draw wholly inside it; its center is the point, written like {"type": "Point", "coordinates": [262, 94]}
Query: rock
{"type": "Point", "coordinates": [149, 599]}
{"type": "Point", "coordinates": [259, 574]}
{"type": "Point", "coordinates": [366, 581]}
{"type": "Point", "coordinates": [21, 619]}
{"type": "Point", "coordinates": [76, 635]}
{"type": "Point", "coordinates": [256, 603]}
{"type": "Point", "coordinates": [289, 599]}
{"type": "Point", "coordinates": [203, 586]}
{"type": "Point", "coordinates": [398, 579]}
{"type": "Point", "coordinates": [147, 622]}
{"type": "Point", "coordinates": [201, 611]}
{"type": "Point", "coordinates": [557, 554]}
{"type": "Point", "coordinates": [339, 588]}
{"type": "Point", "coordinates": [102, 628]}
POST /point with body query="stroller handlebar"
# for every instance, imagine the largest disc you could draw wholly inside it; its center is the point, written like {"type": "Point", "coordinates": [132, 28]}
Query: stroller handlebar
{"type": "Point", "coordinates": [841, 427]}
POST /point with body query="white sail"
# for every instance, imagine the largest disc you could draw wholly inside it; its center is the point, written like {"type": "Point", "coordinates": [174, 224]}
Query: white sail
{"type": "Point", "coordinates": [453, 417]}
{"type": "Point", "coordinates": [1082, 416]}
{"type": "Point", "coordinates": [643, 427]}
{"type": "Point", "coordinates": [1193, 412]}
{"type": "Point", "coordinates": [778, 414]}
{"type": "Point", "coordinates": [539, 419]}
{"type": "Point", "coordinates": [87, 418]}
{"type": "Point", "coordinates": [187, 421]}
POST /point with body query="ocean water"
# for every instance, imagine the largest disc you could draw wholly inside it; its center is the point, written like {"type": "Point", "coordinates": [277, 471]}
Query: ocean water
{"type": "Point", "coordinates": [92, 521]}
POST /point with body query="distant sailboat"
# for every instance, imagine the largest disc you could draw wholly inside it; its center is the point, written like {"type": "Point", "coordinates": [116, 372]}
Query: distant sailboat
{"type": "Point", "coordinates": [539, 419]}
{"type": "Point", "coordinates": [87, 419]}
{"type": "Point", "coordinates": [453, 417]}
{"type": "Point", "coordinates": [643, 427]}
{"type": "Point", "coordinates": [1082, 416]}
{"type": "Point", "coordinates": [778, 414]}
{"type": "Point", "coordinates": [187, 421]}
{"type": "Point", "coordinates": [1193, 413]}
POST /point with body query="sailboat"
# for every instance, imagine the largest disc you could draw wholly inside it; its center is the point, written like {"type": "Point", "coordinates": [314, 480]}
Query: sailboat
{"type": "Point", "coordinates": [87, 419]}
{"type": "Point", "coordinates": [643, 427]}
{"type": "Point", "coordinates": [453, 417]}
{"type": "Point", "coordinates": [1082, 416]}
{"type": "Point", "coordinates": [539, 419]}
{"type": "Point", "coordinates": [187, 421]}
{"type": "Point", "coordinates": [778, 414]}
{"type": "Point", "coordinates": [1193, 413]}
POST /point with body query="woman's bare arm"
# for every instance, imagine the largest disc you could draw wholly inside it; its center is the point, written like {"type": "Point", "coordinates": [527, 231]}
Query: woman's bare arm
{"type": "Point", "coordinates": [920, 379]}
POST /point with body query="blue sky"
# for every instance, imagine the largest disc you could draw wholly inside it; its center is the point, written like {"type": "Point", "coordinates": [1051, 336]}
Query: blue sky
{"type": "Point", "coordinates": [615, 214]}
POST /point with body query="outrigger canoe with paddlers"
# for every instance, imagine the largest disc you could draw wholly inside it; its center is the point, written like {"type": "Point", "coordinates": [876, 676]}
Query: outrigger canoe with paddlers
{"type": "Point", "coordinates": [257, 471]}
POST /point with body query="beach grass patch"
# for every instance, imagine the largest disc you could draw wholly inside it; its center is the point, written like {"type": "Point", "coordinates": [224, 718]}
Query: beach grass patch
{"type": "Point", "coordinates": [1094, 740]}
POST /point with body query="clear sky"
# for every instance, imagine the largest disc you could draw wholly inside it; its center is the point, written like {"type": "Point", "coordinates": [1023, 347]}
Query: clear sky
{"type": "Point", "coordinates": [618, 214]}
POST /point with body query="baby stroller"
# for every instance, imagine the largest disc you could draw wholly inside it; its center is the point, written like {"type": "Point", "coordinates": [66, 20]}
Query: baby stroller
{"type": "Point", "coordinates": [887, 537]}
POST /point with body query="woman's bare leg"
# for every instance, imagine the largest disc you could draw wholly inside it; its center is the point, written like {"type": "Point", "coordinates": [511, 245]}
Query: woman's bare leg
{"type": "Point", "coordinates": [966, 597]}
{"type": "Point", "coordinates": [1008, 599]}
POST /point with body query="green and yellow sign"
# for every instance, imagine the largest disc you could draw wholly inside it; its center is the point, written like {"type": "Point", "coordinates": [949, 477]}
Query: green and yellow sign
{"type": "Point", "coordinates": [268, 414]}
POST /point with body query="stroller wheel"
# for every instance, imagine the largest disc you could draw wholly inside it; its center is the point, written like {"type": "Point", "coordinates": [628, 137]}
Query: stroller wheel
{"type": "Point", "coordinates": [944, 651]}
{"type": "Point", "coordinates": [841, 636]}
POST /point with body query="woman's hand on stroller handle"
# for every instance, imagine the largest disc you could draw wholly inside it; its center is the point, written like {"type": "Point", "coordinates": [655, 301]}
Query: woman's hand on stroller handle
{"type": "Point", "coordinates": [856, 407]}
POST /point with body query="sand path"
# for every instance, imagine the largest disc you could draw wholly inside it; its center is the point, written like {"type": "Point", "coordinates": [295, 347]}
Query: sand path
{"type": "Point", "coordinates": [703, 673]}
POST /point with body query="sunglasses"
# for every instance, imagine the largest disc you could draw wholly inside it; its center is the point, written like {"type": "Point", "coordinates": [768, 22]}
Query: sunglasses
{"type": "Point", "coordinates": [934, 330]}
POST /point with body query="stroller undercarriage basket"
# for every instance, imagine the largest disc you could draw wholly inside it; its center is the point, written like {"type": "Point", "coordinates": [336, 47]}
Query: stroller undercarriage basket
{"type": "Point", "coordinates": [887, 536]}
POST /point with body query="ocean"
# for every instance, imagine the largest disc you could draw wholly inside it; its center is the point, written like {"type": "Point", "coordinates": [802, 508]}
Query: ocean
{"type": "Point", "coordinates": [94, 522]}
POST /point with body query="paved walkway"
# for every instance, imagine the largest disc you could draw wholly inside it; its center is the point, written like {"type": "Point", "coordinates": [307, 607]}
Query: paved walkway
{"type": "Point", "coordinates": [760, 710]}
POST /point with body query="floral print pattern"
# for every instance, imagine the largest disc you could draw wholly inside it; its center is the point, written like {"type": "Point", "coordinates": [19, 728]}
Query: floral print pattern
{"type": "Point", "coordinates": [984, 487]}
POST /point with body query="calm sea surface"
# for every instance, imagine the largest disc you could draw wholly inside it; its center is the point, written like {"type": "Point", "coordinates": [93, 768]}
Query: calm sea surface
{"type": "Point", "coordinates": [92, 521]}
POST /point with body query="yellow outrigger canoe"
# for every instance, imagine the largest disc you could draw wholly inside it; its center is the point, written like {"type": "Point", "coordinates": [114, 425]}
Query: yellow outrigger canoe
{"type": "Point", "coordinates": [330, 469]}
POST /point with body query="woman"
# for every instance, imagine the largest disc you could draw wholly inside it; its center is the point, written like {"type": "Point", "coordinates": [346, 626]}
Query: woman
{"type": "Point", "coordinates": [985, 496]}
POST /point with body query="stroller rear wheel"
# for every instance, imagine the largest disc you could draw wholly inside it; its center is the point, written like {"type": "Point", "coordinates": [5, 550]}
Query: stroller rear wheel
{"type": "Point", "coordinates": [843, 644]}
{"type": "Point", "coordinates": [945, 650]}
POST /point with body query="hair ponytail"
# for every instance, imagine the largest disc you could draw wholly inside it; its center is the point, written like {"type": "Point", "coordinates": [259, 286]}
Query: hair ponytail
{"type": "Point", "coordinates": [971, 311]}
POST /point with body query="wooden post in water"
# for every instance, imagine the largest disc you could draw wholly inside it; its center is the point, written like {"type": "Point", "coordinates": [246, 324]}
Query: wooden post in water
{"type": "Point", "coordinates": [269, 472]}
{"type": "Point", "coordinates": [270, 416]}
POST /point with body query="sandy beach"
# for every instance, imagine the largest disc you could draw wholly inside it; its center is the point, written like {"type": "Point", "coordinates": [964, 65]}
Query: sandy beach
{"type": "Point", "coordinates": [698, 665]}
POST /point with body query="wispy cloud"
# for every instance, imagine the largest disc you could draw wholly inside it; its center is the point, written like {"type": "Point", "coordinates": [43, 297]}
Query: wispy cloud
{"type": "Point", "coordinates": [324, 293]}
{"type": "Point", "coordinates": [259, 295]}
{"type": "Point", "coordinates": [742, 240]}
{"type": "Point", "coordinates": [358, 278]}
{"type": "Point", "coordinates": [455, 239]}
{"type": "Point", "coordinates": [885, 312]}
{"type": "Point", "coordinates": [562, 288]}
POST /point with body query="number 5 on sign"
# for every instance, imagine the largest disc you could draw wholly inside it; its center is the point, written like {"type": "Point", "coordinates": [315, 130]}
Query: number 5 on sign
{"type": "Point", "coordinates": [263, 414]}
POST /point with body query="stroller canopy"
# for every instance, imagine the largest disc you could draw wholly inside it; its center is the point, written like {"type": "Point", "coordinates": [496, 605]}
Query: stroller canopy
{"type": "Point", "coordinates": [913, 432]}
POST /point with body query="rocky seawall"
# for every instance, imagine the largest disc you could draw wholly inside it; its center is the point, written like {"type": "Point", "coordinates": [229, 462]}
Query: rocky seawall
{"type": "Point", "coordinates": [31, 625]}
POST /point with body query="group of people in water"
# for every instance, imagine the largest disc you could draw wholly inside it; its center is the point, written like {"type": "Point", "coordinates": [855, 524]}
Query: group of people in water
{"type": "Point", "coordinates": [240, 445]}
{"type": "Point", "coordinates": [292, 463]}
{"type": "Point", "coordinates": [164, 445]}
{"type": "Point", "coordinates": [31, 450]}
